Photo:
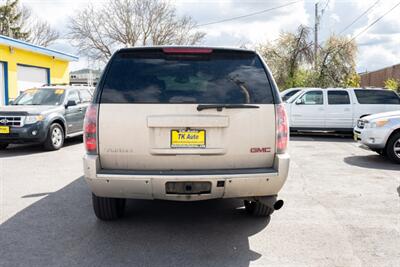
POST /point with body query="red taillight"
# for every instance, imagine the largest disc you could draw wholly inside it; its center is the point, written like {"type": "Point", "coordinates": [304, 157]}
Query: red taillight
{"type": "Point", "coordinates": [91, 144]}
{"type": "Point", "coordinates": [184, 50]}
{"type": "Point", "coordinates": [90, 128]}
{"type": "Point", "coordinates": [282, 129]}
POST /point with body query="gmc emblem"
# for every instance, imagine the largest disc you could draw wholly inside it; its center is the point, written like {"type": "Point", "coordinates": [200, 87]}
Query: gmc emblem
{"type": "Point", "coordinates": [260, 149]}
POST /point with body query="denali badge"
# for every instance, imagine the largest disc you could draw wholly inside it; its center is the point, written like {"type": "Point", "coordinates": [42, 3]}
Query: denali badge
{"type": "Point", "coordinates": [119, 150]}
{"type": "Point", "coordinates": [260, 149]}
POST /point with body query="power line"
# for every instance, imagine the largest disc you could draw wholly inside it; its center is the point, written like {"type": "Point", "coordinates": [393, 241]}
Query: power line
{"type": "Point", "coordinates": [375, 21]}
{"type": "Point", "coordinates": [323, 10]}
{"type": "Point", "coordinates": [247, 15]}
{"type": "Point", "coordinates": [360, 16]}
{"type": "Point", "coordinates": [366, 28]}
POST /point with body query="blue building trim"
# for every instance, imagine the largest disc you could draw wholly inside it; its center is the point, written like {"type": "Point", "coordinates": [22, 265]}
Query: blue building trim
{"type": "Point", "coordinates": [36, 48]}
{"type": "Point", "coordinates": [5, 72]}
{"type": "Point", "coordinates": [48, 77]}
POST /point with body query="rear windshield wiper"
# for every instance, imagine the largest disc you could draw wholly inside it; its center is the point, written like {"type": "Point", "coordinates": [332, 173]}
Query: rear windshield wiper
{"type": "Point", "coordinates": [219, 107]}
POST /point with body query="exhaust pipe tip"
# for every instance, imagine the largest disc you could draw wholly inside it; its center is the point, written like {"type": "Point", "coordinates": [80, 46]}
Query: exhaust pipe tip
{"type": "Point", "coordinates": [278, 204]}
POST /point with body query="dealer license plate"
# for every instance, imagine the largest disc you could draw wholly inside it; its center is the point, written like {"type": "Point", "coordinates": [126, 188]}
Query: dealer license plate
{"type": "Point", "coordinates": [4, 129]}
{"type": "Point", "coordinates": [188, 138]}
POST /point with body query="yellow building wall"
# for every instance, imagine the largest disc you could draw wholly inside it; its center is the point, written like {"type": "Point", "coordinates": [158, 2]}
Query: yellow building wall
{"type": "Point", "coordinates": [59, 72]}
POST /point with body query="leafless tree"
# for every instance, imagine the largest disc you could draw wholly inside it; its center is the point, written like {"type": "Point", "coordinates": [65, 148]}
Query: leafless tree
{"type": "Point", "coordinates": [41, 33]}
{"type": "Point", "coordinates": [97, 32]}
{"type": "Point", "coordinates": [18, 21]}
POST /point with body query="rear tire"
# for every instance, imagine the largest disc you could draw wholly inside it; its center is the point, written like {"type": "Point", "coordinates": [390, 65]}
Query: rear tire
{"type": "Point", "coordinates": [257, 208]}
{"type": "Point", "coordinates": [55, 137]}
{"type": "Point", "coordinates": [107, 208]}
{"type": "Point", "coordinates": [393, 148]}
{"type": "Point", "coordinates": [3, 146]}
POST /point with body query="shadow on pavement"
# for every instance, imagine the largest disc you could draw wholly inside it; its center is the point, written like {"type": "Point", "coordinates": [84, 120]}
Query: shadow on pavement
{"type": "Point", "coordinates": [61, 230]}
{"type": "Point", "coordinates": [372, 162]}
{"type": "Point", "coordinates": [29, 149]}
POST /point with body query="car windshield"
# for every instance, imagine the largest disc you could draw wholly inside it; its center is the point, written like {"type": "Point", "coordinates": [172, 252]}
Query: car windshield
{"type": "Point", "coordinates": [293, 97]}
{"type": "Point", "coordinates": [51, 97]}
{"type": "Point", "coordinates": [288, 95]}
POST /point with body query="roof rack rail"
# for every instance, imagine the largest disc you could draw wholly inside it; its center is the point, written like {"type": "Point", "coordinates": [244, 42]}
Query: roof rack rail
{"type": "Point", "coordinates": [67, 84]}
{"type": "Point", "coordinates": [54, 84]}
{"type": "Point", "coordinates": [81, 84]}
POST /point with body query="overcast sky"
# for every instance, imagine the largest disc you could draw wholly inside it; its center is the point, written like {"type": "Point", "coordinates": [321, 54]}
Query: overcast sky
{"type": "Point", "coordinates": [378, 47]}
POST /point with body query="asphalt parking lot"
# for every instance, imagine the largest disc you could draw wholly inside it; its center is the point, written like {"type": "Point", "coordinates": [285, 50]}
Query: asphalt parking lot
{"type": "Point", "coordinates": [342, 208]}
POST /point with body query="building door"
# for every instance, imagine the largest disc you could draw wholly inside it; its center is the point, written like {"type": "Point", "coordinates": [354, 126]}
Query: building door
{"type": "Point", "coordinates": [2, 85]}
{"type": "Point", "coordinates": [29, 77]}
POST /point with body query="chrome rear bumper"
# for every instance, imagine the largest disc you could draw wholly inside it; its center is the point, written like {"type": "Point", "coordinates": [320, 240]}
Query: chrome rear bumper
{"type": "Point", "coordinates": [151, 185]}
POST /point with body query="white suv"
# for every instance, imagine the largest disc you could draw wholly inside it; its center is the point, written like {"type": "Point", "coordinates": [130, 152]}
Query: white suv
{"type": "Point", "coordinates": [186, 124]}
{"type": "Point", "coordinates": [337, 109]}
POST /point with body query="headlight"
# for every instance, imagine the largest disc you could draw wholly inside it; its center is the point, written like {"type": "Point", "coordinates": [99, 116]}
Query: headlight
{"type": "Point", "coordinates": [33, 119]}
{"type": "Point", "coordinates": [379, 123]}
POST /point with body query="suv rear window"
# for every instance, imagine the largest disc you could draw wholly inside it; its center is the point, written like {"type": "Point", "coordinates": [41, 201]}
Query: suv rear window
{"type": "Point", "coordinates": [366, 96]}
{"type": "Point", "coordinates": [221, 77]}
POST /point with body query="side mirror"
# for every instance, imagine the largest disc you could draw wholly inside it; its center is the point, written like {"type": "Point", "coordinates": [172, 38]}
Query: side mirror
{"type": "Point", "coordinates": [299, 101]}
{"type": "Point", "coordinates": [70, 103]}
{"type": "Point", "coordinates": [11, 102]}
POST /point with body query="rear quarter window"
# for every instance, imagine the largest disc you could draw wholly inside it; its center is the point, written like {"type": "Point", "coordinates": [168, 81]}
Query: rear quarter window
{"type": "Point", "coordinates": [85, 96]}
{"type": "Point", "coordinates": [365, 96]}
{"type": "Point", "coordinates": [338, 98]}
{"type": "Point", "coordinates": [216, 78]}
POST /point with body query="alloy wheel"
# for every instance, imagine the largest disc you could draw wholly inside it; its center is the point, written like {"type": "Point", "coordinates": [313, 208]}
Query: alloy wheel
{"type": "Point", "coordinates": [56, 137]}
{"type": "Point", "coordinates": [396, 148]}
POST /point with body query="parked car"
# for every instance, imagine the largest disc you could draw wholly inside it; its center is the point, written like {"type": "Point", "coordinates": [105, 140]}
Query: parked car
{"type": "Point", "coordinates": [288, 93]}
{"type": "Point", "coordinates": [186, 124]}
{"type": "Point", "coordinates": [45, 115]}
{"type": "Point", "coordinates": [337, 109]}
{"type": "Point", "coordinates": [380, 133]}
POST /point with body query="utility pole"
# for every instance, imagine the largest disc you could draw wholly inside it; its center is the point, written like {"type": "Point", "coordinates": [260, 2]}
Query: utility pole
{"type": "Point", "coordinates": [316, 25]}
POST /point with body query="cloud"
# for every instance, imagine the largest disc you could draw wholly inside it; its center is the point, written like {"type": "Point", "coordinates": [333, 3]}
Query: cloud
{"type": "Point", "coordinates": [378, 46]}
{"type": "Point", "coordinates": [374, 57]}
{"type": "Point", "coordinates": [254, 29]}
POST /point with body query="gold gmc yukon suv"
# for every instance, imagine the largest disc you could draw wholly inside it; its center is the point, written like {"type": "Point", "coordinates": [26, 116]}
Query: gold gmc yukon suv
{"type": "Point", "coordinates": [185, 124]}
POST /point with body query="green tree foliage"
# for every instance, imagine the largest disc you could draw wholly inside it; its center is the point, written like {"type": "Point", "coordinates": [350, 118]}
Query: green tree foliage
{"type": "Point", "coordinates": [287, 57]}
{"type": "Point", "coordinates": [336, 62]}
{"type": "Point", "coordinates": [392, 84]}
{"type": "Point", "coordinates": [12, 20]}
{"type": "Point", "coordinates": [291, 59]}
{"type": "Point", "coordinates": [353, 80]}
